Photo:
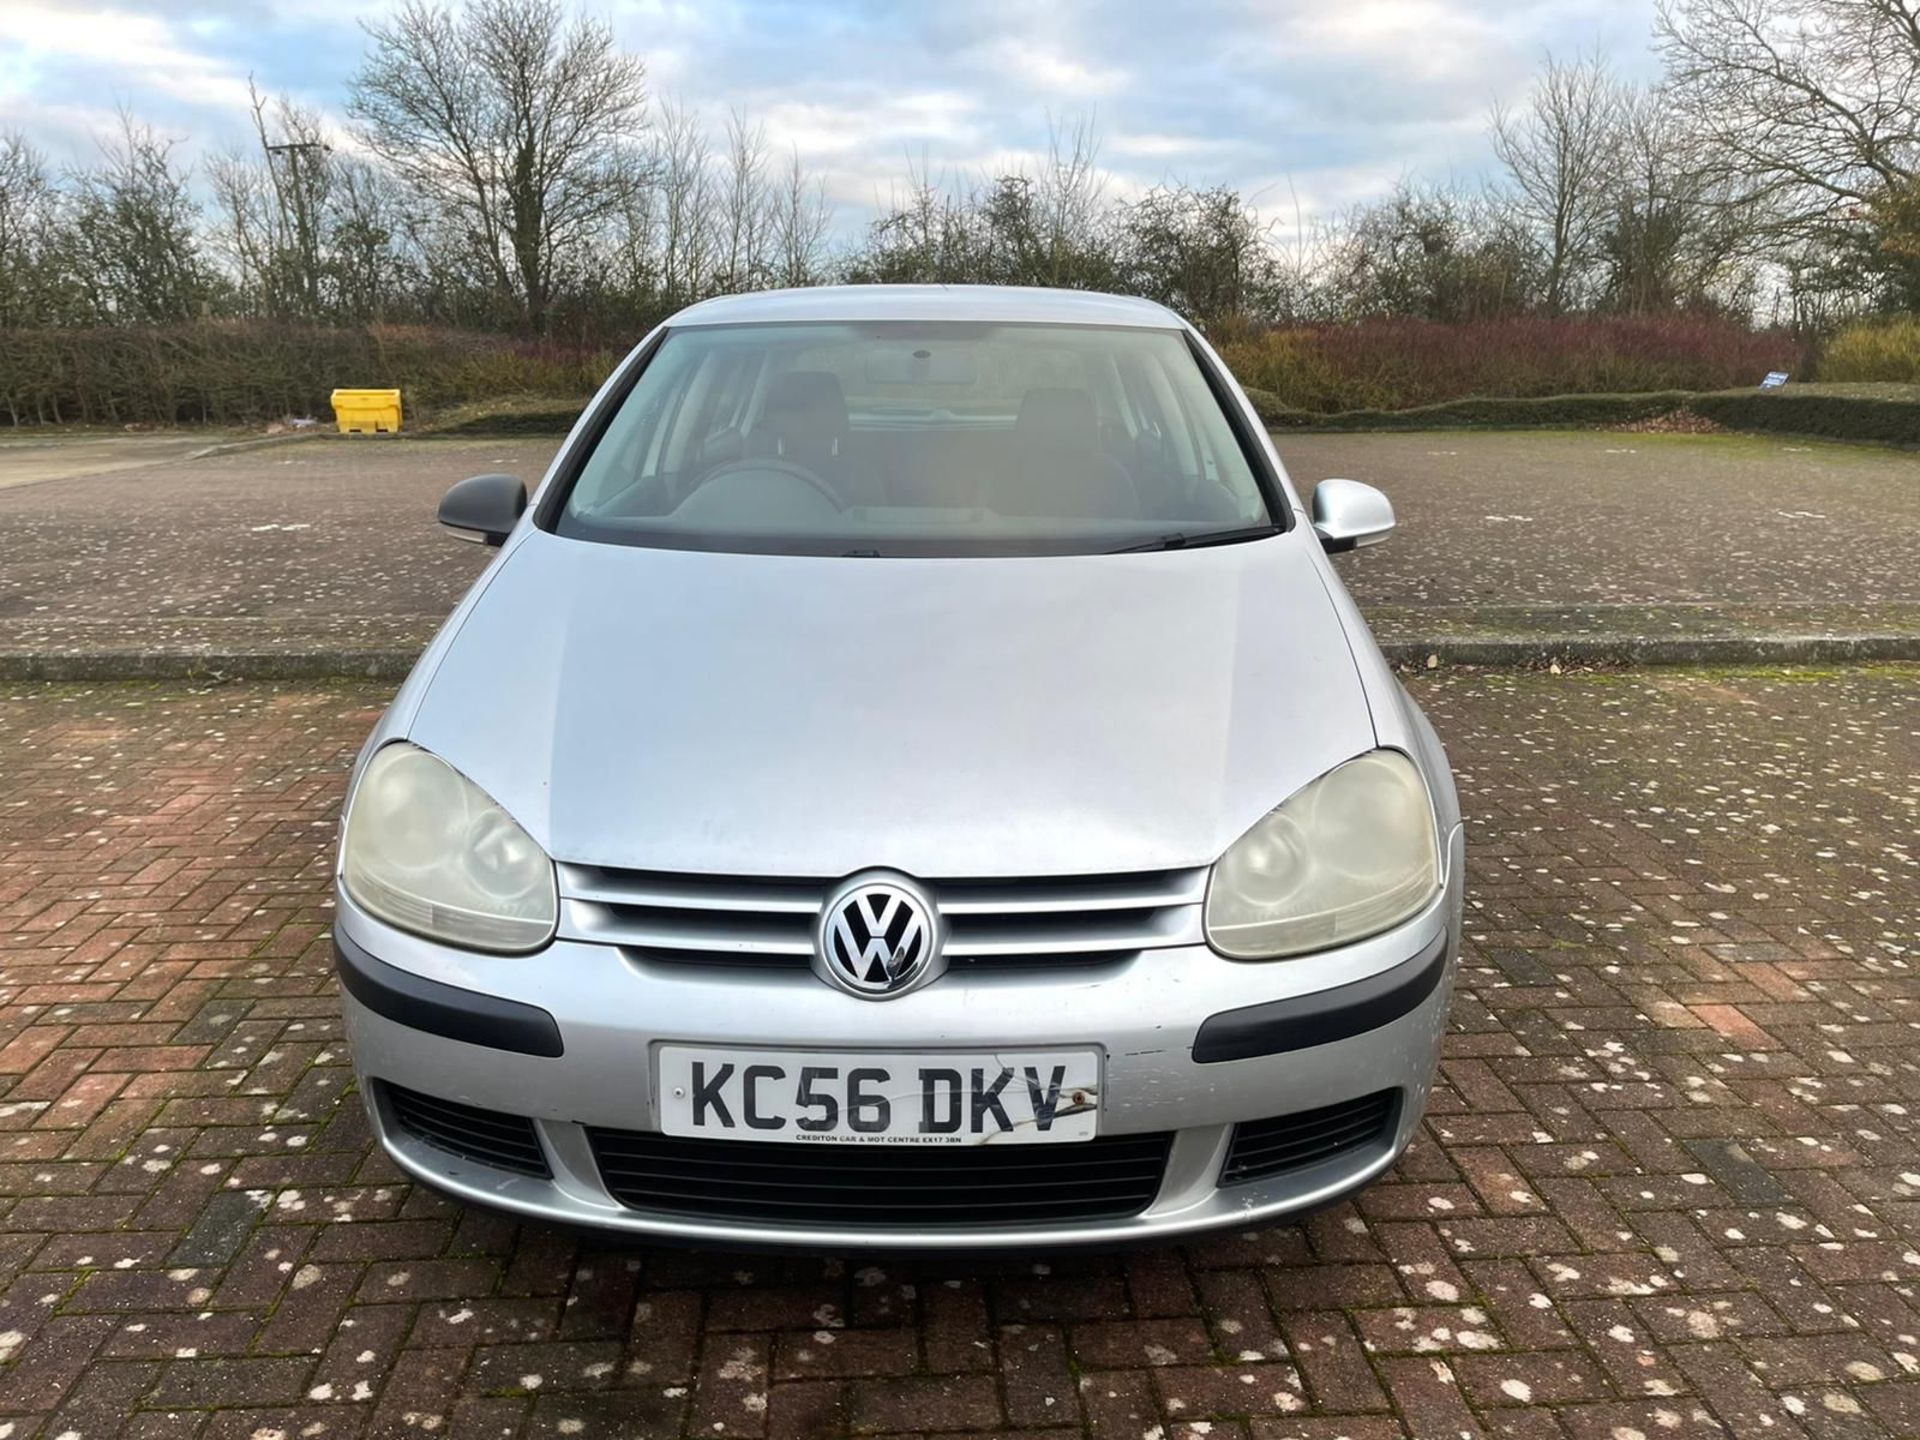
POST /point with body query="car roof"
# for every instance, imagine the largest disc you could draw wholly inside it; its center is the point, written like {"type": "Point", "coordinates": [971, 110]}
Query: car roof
{"type": "Point", "coordinates": [1005, 303]}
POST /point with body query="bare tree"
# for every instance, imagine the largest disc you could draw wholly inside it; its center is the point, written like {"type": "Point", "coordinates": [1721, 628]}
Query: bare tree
{"type": "Point", "coordinates": [300, 176]}
{"type": "Point", "coordinates": [628, 263]}
{"type": "Point", "coordinates": [241, 234]}
{"type": "Point", "coordinates": [1048, 224]}
{"type": "Point", "coordinates": [1435, 253]}
{"type": "Point", "coordinates": [1303, 263]}
{"type": "Point", "coordinates": [1205, 253]}
{"type": "Point", "coordinates": [511, 119]}
{"type": "Point", "coordinates": [746, 220]}
{"type": "Point", "coordinates": [1812, 107]}
{"type": "Point", "coordinates": [1674, 238]}
{"type": "Point", "coordinates": [928, 234]}
{"type": "Point", "coordinates": [28, 221]}
{"type": "Point", "coordinates": [135, 232]}
{"type": "Point", "coordinates": [687, 209]}
{"type": "Point", "coordinates": [369, 260]}
{"type": "Point", "coordinates": [1558, 151]}
{"type": "Point", "coordinates": [802, 215]}
{"type": "Point", "coordinates": [274, 205]}
{"type": "Point", "coordinates": [1070, 197]}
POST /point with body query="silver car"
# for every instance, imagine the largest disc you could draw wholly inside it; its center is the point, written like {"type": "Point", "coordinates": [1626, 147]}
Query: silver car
{"type": "Point", "coordinates": [910, 777]}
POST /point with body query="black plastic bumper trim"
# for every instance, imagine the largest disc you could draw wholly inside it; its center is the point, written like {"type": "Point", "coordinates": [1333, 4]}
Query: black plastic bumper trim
{"type": "Point", "coordinates": [444, 1010]}
{"type": "Point", "coordinates": [1322, 1018]}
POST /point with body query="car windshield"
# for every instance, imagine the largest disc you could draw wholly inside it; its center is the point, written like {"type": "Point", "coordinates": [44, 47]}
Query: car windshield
{"type": "Point", "coordinates": [897, 438]}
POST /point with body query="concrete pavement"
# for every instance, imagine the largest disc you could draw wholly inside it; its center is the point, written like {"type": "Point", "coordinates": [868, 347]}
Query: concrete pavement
{"type": "Point", "coordinates": [322, 556]}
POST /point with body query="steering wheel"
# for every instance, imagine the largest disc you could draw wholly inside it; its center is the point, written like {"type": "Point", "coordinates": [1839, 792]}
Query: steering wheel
{"type": "Point", "coordinates": [769, 465]}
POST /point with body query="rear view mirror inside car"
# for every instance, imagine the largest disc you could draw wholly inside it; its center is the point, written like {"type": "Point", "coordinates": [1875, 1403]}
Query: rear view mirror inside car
{"type": "Point", "coordinates": [921, 366]}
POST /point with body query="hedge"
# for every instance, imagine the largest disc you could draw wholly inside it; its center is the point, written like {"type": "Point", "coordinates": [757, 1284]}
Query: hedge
{"type": "Point", "coordinates": [1836, 412]}
{"type": "Point", "coordinates": [1542, 412]}
{"type": "Point", "coordinates": [241, 372]}
{"type": "Point", "coordinates": [249, 371]}
{"type": "Point", "coordinates": [1399, 364]}
{"type": "Point", "coordinates": [232, 372]}
{"type": "Point", "coordinates": [1886, 413]}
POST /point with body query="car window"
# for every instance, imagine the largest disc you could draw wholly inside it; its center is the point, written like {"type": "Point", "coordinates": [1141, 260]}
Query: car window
{"type": "Point", "coordinates": [899, 438]}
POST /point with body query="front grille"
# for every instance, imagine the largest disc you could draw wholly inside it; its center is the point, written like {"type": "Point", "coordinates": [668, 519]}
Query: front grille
{"type": "Point", "coordinates": [880, 1186]}
{"type": "Point", "coordinates": [487, 1137]}
{"type": "Point", "coordinates": [1265, 1148]}
{"type": "Point", "coordinates": [704, 919]}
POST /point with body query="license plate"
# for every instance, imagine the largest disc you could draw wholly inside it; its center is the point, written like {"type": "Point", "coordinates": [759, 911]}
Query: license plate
{"type": "Point", "coordinates": [1023, 1097]}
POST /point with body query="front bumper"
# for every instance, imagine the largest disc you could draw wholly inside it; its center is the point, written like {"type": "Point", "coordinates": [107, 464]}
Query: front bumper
{"type": "Point", "coordinates": [1194, 1044]}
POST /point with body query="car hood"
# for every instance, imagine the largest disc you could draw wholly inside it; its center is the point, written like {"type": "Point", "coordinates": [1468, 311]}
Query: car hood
{"type": "Point", "coordinates": [808, 716]}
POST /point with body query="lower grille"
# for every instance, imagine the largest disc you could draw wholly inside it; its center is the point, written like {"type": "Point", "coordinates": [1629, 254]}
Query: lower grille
{"type": "Point", "coordinates": [1264, 1148]}
{"type": "Point", "coordinates": [486, 1137]}
{"type": "Point", "coordinates": [882, 1187]}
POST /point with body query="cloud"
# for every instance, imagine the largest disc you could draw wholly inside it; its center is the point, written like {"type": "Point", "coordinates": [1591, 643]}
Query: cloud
{"type": "Point", "coordinates": [70, 59]}
{"type": "Point", "coordinates": [67, 68]}
{"type": "Point", "coordinates": [1053, 69]}
{"type": "Point", "coordinates": [1314, 102]}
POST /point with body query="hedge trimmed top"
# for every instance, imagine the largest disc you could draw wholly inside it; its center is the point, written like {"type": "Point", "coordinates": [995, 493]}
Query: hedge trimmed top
{"type": "Point", "coordinates": [1887, 413]}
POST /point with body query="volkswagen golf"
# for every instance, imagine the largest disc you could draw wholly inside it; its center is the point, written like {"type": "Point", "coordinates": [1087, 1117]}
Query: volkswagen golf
{"type": "Point", "coordinates": [911, 776]}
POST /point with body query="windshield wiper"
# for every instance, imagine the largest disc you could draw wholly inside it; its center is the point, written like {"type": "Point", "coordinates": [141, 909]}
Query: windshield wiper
{"type": "Point", "coordinates": [1181, 540]}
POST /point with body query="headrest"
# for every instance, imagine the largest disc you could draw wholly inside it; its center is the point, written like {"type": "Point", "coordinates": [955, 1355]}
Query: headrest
{"type": "Point", "coordinates": [813, 397]}
{"type": "Point", "coordinates": [1058, 415]}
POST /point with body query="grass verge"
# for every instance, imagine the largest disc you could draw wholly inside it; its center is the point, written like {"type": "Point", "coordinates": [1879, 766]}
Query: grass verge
{"type": "Point", "coordinates": [509, 415]}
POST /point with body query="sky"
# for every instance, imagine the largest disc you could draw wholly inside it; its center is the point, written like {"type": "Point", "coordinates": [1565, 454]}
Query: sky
{"type": "Point", "coordinates": [1305, 106]}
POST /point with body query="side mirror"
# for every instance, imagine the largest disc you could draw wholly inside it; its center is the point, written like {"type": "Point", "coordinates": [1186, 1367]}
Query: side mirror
{"type": "Point", "coordinates": [1347, 515]}
{"type": "Point", "coordinates": [484, 508]}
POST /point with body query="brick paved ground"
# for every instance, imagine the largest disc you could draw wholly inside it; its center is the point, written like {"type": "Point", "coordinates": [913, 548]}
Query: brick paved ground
{"type": "Point", "coordinates": [1670, 1184]}
{"type": "Point", "coordinates": [331, 543]}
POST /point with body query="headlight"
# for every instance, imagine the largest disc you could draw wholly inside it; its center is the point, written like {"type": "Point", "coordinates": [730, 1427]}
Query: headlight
{"type": "Point", "coordinates": [1350, 855]}
{"type": "Point", "coordinates": [427, 850]}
